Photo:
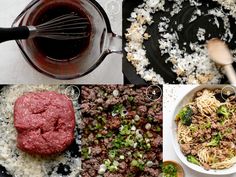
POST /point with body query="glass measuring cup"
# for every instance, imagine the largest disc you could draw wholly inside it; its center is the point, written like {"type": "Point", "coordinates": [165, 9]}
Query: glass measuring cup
{"type": "Point", "coordinates": [102, 41]}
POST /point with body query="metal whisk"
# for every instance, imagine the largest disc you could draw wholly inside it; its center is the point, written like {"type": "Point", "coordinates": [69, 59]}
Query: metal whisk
{"type": "Point", "coordinates": [65, 27]}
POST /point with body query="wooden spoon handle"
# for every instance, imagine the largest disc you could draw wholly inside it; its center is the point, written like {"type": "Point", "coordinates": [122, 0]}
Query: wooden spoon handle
{"type": "Point", "coordinates": [230, 72]}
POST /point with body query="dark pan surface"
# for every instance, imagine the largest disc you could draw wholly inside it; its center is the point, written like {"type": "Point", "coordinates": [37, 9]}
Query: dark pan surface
{"type": "Point", "coordinates": [62, 169]}
{"type": "Point", "coordinates": [153, 52]}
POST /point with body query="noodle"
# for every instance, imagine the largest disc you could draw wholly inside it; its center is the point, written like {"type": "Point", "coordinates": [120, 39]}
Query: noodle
{"type": "Point", "coordinates": [206, 130]}
{"type": "Point", "coordinates": [203, 155]}
{"type": "Point", "coordinates": [183, 132]}
{"type": "Point", "coordinates": [207, 103]}
{"type": "Point", "coordinates": [225, 164]}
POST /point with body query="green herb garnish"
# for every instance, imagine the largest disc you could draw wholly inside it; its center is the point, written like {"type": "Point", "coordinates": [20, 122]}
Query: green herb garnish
{"type": "Point", "coordinates": [125, 130]}
{"type": "Point", "coordinates": [119, 110]}
{"type": "Point", "coordinates": [112, 154]}
{"type": "Point", "coordinates": [169, 170]}
{"type": "Point", "coordinates": [85, 153]}
{"type": "Point", "coordinates": [130, 98]}
{"type": "Point", "coordinates": [158, 129]}
{"type": "Point", "coordinates": [138, 164]}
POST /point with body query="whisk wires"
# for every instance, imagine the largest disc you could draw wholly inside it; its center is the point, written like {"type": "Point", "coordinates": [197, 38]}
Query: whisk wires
{"type": "Point", "coordinates": [65, 27]}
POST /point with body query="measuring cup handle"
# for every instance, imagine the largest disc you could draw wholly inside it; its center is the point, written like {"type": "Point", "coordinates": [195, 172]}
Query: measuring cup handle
{"type": "Point", "coordinates": [115, 43]}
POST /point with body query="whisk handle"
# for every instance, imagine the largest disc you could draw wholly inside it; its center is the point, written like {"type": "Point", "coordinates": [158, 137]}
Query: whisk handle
{"type": "Point", "coordinates": [7, 34]}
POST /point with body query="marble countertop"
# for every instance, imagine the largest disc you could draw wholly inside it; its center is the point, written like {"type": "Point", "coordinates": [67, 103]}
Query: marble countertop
{"type": "Point", "coordinates": [15, 70]}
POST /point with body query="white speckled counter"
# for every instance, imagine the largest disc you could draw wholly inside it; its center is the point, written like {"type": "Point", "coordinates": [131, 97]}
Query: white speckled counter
{"type": "Point", "coordinates": [14, 69]}
{"type": "Point", "coordinates": [172, 94]}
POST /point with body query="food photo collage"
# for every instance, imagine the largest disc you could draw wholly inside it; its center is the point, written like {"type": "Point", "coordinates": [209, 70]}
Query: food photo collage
{"type": "Point", "coordinates": [118, 88]}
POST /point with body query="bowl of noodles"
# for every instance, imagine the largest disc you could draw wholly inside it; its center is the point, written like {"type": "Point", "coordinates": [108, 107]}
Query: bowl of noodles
{"type": "Point", "coordinates": [204, 129]}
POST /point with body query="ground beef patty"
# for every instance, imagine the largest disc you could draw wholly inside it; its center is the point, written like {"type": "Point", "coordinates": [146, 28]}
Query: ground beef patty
{"type": "Point", "coordinates": [45, 122]}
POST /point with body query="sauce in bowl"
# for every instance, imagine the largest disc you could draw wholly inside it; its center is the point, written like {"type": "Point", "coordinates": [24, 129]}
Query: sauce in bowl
{"type": "Point", "coordinates": [61, 49]}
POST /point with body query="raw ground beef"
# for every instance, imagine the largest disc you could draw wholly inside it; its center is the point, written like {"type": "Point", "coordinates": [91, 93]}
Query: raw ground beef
{"type": "Point", "coordinates": [45, 122]}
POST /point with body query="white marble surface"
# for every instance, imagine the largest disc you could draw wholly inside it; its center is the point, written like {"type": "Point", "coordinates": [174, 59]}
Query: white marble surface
{"type": "Point", "coordinates": [14, 69]}
{"type": "Point", "coordinates": [172, 93]}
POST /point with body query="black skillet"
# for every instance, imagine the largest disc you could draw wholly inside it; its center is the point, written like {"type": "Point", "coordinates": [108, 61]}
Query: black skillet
{"type": "Point", "coordinates": [62, 169]}
{"type": "Point", "coordinates": [153, 52]}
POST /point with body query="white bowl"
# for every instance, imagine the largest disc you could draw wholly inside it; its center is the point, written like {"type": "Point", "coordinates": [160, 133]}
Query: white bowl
{"type": "Point", "coordinates": [186, 98]}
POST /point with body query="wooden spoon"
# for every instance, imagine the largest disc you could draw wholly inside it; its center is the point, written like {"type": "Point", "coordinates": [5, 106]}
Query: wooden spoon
{"type": "Point", "coordinates": [219, 52]}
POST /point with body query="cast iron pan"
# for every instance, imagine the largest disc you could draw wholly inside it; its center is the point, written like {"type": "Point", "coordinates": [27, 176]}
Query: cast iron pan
{"type": "Point", "coordinates": [62, 169]}
{"type": "Point", "coordinates": [153, 52]}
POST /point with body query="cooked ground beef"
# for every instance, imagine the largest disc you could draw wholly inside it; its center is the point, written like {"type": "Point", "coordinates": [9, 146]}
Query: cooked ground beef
{"type": "Point", "coordinates": [121, 132]}
{"type": "Point", "coordinates": [45, 122]}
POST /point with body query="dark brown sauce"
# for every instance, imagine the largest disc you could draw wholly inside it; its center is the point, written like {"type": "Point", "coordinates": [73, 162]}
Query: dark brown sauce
{"type": "Point", "coordinates": [61, 49]}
